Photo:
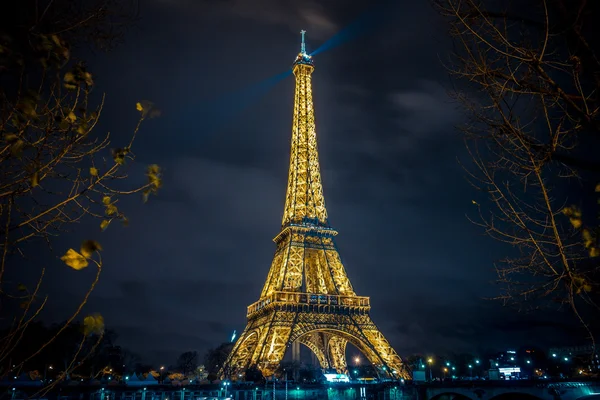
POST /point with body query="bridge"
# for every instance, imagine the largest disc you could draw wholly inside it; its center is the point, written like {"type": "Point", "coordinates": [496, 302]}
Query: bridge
{"type": "Point", "coordinates": [507, 390]}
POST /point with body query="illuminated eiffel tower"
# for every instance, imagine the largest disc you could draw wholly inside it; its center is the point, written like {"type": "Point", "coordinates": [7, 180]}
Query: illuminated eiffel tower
{"type": "Point", "coordinates": [307, 297]}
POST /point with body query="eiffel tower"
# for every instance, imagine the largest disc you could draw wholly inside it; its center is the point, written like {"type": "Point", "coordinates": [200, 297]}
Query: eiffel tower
{"type": "Point", "coordinates": [307, 297]}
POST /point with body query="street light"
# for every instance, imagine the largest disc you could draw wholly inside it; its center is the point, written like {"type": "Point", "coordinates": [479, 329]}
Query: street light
{"type": "Point", "coordinates": [356, 360]}
{"type": "Point", "coordinates": [471, 370]}
{"type": "Point", "coordinates": [225, 384]}
{"type": "Point", "coordinates": [430, 362]}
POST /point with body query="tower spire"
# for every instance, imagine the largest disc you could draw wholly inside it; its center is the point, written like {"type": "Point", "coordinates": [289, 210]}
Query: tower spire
{"type": "Point", "coordinates": [303, 45]}
{"type": "Point", "coordinates": [304, 202]}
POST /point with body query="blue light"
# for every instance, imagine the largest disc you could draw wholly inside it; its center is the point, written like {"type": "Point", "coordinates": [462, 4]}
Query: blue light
{"type": "Point", "coordinates": [365, 22]}
{"type": "Point", "coordinates": [304, 59]}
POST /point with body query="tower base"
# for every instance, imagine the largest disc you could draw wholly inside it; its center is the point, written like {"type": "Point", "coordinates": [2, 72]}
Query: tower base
{"type": "Point", "coordinates": [325, 329]}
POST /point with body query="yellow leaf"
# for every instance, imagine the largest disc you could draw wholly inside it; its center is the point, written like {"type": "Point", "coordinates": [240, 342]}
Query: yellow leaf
{"type": "Point", "coordinates": [153, 174]}
{"type": "Point", "coordinates": [139, 107]}
{"type": "Point", "coordinates": [594, 252]}
{"type": "Point", "coordinates": [111, 209]}
{"type": "Point", "coordinates": [597, 188]}
{"type": "Point", "coordinates": [93, 171]}
{"type": "Point", "coordinates": [576, 222]}
{"type": "Point", "coordinates": [17, 148]}
{"type": "Point", "coordinates": [69, 77]}
{"type": "Point", "coordinates": [89, 247]}
{"type": "Point", "coordinates": [74, 260]}
{"type": "Point", "coordinates": [71, 117]}
{"type": "Point", "coordinates": [88, 79]}
{"type": "Point", "coordinates": [35, 179]}
{"type": "Point", "coordinates": [11, 137]}
{"type": "Point", "coordinates": [104, 224]}
{"type": "Point", "coordinates": [93, 324]}
{"type": "Point", "coordinates": [106, 200]}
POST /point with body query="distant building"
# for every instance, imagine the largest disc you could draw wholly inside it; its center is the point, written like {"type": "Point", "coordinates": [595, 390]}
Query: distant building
{"type": "Point", "coordinates": [585, 357]}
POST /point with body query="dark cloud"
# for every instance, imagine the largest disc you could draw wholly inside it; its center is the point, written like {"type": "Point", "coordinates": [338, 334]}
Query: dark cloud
{"type": "Point", "coordinates": [289, 14]}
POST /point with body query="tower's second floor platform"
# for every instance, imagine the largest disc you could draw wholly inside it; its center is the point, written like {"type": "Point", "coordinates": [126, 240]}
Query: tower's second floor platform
{"type": "Point", "coordinates": [311, 302]}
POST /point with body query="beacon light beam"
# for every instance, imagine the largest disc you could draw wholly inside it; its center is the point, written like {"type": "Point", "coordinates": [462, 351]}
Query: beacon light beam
{"type": "Point", "coordinates": [216, 113]}
{"type": "Point", "coordinates": [362, 24]}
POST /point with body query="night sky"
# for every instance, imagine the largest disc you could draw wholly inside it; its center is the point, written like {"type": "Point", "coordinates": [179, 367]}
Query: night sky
{"type": "Point", "coordinates": [181, 275]}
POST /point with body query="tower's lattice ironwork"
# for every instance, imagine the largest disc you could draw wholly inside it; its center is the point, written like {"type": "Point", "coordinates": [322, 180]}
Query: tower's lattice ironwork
{"type": "Point", "coordinates": [307, 296]}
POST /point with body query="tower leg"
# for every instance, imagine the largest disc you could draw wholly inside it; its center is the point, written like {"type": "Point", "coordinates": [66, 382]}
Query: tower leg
{"type": "Point", "coordinates": [337, 353]}
{"type": "Point", "coordinates": [296, 351]}
{"type": "Point", "coordinates": [316, 343]}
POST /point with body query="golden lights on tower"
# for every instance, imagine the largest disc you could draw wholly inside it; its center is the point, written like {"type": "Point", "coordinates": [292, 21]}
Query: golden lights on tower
{"type": "Point", "coordinates": [307, 296]}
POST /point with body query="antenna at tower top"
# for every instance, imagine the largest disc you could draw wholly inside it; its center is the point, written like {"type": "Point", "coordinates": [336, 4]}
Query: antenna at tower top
{"type": "Point", "coordinates": [302, 45]}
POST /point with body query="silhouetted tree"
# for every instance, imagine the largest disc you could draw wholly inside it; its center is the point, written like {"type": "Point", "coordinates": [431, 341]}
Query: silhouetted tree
{"type": "Point", "coordinates": [214, 359]}
{"type": "Point", "coordinates": [531, 90]}
{"type": "Point", "coordinates": [187, 362]}
{"type": "Point", "coordinates": [130, 360]}
{"type": "Point", "coordinates": [253, 374]}
{"type": "Point", "coordinates": [55, 168]}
